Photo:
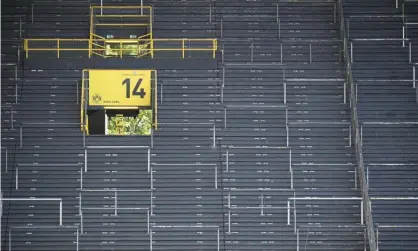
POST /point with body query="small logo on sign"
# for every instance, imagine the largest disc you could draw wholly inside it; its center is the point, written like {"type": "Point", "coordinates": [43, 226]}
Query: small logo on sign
{"type": "Point", "coordinates": [97, 98]}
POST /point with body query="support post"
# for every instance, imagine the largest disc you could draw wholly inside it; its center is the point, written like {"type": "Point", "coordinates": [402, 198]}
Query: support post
{"type": "Point", "coordinates": [216, 177]}
{"type": "Point", "coordinates": [277, 12]}
{"type": "Point", "coordinates": [288, 212]}
{"type": "Point", "coordinates": [222, 28]}
{"type": "Point", "coordinates": [149, 160]}
{"type": "Point", "coordinates": [403, 36]}
{"type": "Point", "coordinates": [410, 52]}
{"type": "Point", "coordinates": [351, 52]}
{"type": "Point", "coordinates": [361, 213]}
{"type": "Point", "coordinates": [413, 76]}
{"type": "Point", "coordinates": [142, 7]}
{"type": "Point", "coordinates": [310, 53]}
{"type": "Point", "coordinates": [85, 159]}
{"type": "Point", "coordinates": [225, 118]}
{"type": "Point", "coordinates": [20, 28]}
{"type": "Point", "coordinates": [227, 160]}
{"type": "Point", "coordinates": [397, 4]}
{"type": "Point", "coordinates": [280, 29]}
{"type": "Point", "coordinates": [116, 202]}
{"type": "Point", "coordinates": [284, 93]}
{"type": "Point", "coordinates": [281, 52]}
{"type": "Point", "coordinates": [345, 93]}
{"type": "Point", "coordinates": [17, 178]}
{"type": "Point", "coordinates": [60, 212]}
{"type": "Point", "coordinates": [297, 239]}
{"type": "Point", "coordinates": [214, 136]}
{"type": "Point", "coordinates": [262, 205]}
{"type": "Point", "coordinates": [210, 13]}
{"type": "Point", "coordinates": [11, 118]}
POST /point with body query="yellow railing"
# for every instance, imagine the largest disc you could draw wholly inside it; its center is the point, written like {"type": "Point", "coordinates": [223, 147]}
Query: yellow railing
{"type": "Point", "coordinates": [97, 45]}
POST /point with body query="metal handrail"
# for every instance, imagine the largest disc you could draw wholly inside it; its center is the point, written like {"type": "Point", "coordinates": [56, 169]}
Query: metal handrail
{"type": "Point", "coordinates": [371, 234]}
{"type": "Point", "coordinates": [56, 45]}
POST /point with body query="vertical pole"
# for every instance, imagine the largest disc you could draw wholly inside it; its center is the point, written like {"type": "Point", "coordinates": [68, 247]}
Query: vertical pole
{"type": "Point", "coordinates": [85, 159]}
{"type": "Point", "coordinates": [351, 51]}
{"type": "Point", "coordinates": [152, 203]}
{"type": "Point", "coordinates": [367, 175]}
{"type": "Point", "coordinates": [280, 30]}
{"type": "Point", "coordinates": [10, 239]}
{"type": "Point", "coordinates": [81, 179]}
{"type": "Point", "coordinates": [148, 221]}
{"type": "Point", "coordinates": [222, 28]}
{"type": "Point", "coordinates": [227, 160]}
{"type": "Point", "coordinates": [349, 136]}
{"type": "Point", "coordinates": [182, 48]}
{"type": "Point", "coordinates": [413, 77]}
{"type": "Point", "coordinates": [101, 6]}
{"type": "Point", "coordinates": [291, 179]}
{"type": "Point", "coordinates": [152, 179]}
{"type": "Point", "coordinates": [284, 93]}
{"type": "Point", "coordinates": [20, 28]}
{"type": "Point", "coordinates": [116, 202]}
{"type": "Point", "coordinates": [297, 239]}
{"type": "Point", "coordinates": [161, 92]}
{"type": "Point", "coordinates": [142, 6]}
{"type": "Point", "coordinates": [11, 118]}
{"type": "Point", "coordinates": [229, 220]}
{"type": "Point", "coordinates": [277, 12]}
{"type": "Point", "coordinates": [310, 53]}
{"type": "Point", "coordinates": [225, 118]}
{"type": "Point", "coordinates": [150, 240]}
{"type": "Point", "coordinates": [281, 52]}
{"type": "Point", "coordinates": [121, 49]}
{"type": "Point", "coordinates": [287, 135]}
{"type": "Point", "coordinates": [290, 160]}
{"type": "Point", "coordinates": [355, 177]}
{"type": "Point", "coordinates": [7, 163]}
{"type": "Point", "coordinates": [377, 238]}
{"type": "Point", "coordinates": [81, 223]}
{"type": "Point", "coordinates": [397, 4]}
{"type": "Point", "coordinates": [403, 36]}
{"type": "Point", "coordinates": [149, 160]}
{"type": "Point", "coordinates": [294, 214]}
{"type": "Point", "coordinates": [361, 213]}
{"type": "Point", "coordinates": [210, 13]}
{"type": "Point", "coordinates": [345, 93]}
{"type": "Point", "coordinates": [410, 52]}
{"type": "Point", "coordinates": [16, 84]}
{"type": "Point", "coordinates": [17, 178]}
{"type": "Point", "coordinates": [217, 239]}
{"type": "Point", "coordinates": [78, 237]}
{"type": "Point", "coordinates": [76, 87]}
{"type": "Point", "coordinates": [216, 177]}
{"type": "Point", "coordinates": [288, 212]}
{"type": "Point", "coordinates": [60, 212]}
{"type": "Point", "coordinates": [223, 55]}
{"type": "Point", "coordinates": [348, 28]}
{"type": "Point", "coordinates": [58, 48]}
{"type": "Point", "coordinates": [214, 136]}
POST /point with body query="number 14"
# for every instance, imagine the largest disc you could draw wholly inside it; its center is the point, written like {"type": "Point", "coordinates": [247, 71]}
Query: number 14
{"type": "Point", "coordinates": [135, 92]}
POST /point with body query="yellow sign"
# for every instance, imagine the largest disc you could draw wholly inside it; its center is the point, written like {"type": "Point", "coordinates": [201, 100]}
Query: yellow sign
{"type": "Point", "coordinates": [120, 88]}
